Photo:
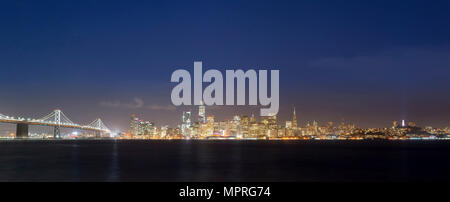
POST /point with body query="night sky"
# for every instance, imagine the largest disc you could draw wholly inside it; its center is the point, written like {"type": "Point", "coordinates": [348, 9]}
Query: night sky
{"type": "Point", "coordinates": [366, 62]}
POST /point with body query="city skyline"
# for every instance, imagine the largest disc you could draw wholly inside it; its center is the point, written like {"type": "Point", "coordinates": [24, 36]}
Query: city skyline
{"type": "Point", "coordinates": [289, 128]}
{"type": "Point", "coordinates": [269, 127]}
{"type": "Point", "coordinates": [197, 114]}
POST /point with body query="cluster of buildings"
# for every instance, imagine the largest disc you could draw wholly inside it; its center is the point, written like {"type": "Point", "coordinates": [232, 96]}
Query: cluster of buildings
{"type": "Point", "coordinates": [206, 127]}
{"type": "Point", "coordinates": [248, 127]}
{"type": "Point", "coordinates": [404, 130]}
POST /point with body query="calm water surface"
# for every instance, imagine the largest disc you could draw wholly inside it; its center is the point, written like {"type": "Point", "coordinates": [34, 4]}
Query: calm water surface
{"type": "Point", "coordinates": [305, 161]}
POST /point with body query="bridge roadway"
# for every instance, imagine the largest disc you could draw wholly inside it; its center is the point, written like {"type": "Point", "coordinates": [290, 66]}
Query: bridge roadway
{"type": "Point", "coordinates": [52, 124]}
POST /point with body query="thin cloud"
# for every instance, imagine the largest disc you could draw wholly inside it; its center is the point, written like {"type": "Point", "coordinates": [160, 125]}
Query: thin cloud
{"type": "Point", "coordinates": [162, 107]}
{"type": "Point", "coordinates": [110, 104]}
{"type": "Point", "coordinates": [137, 103]}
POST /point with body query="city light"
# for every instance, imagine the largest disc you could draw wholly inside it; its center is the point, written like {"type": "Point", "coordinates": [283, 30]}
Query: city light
{"type": "Point", "coordinates": [243, 127]}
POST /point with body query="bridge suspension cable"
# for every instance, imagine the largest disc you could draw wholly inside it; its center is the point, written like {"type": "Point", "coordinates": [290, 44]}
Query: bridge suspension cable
{"type": "Point", "coordinates": [58, 117]}
{"type": "Point", "coordinates": [98, 124]}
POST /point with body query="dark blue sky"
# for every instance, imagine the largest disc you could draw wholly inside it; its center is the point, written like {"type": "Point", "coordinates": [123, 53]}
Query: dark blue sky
{"type": "Point", "coordinates": [370, 62]}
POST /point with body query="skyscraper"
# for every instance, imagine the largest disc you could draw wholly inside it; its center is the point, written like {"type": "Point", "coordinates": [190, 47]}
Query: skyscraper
{"type": "Point", "coordinates": [146, 129]}
{"type": "Point", "coordinates": [210, 125]}
{"type": "Point", "coordinates": [201, 113]}
{"type": "Point", "coordinates": [273, 126]}
{"type": "Point", "coordinates": [186, 123]}
{"type": "Point", "coordinates": [294, 120]}
{"type": "Point", "coordinates": [134, 125]}
{"type": "Point", "coordinates": [236, 126]}
{"type": "Point", "coordinates": [244, 126]}
{"type": "Point", "coordinates": [254, 127]}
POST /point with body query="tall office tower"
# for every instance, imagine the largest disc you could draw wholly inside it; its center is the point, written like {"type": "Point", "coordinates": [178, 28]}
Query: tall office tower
{"type": "Point", "coordinates": [316, 127]}
{"type": "Point", "coordinates": [253, 127]}
{"type": "Point", "coordinates": [236, 126]}
{"type": "Point", "coordinates": [210, 125]}
{"type": "Point", "coordinates": [186, 123]}
{"type": "Point", "coordinates": [245, 126]}
{"type": "Point", "coordinates": [403, 123]}
{"type": "Point", "coordinates": [273, 126]}
{"type": "Point", "coordinates": [141, 128]}
{"type": "Point", "coordinates": [201, 113]}
{"type": "Point", "coordinates": [147, 129]}
{"type": "Point", "coordinates": [294, 120]}
{"type": "Point", "coordinates": [288, 129]}
{"type": "Point", "coordinates": [151, 129]}
{"type": "Point", "coordinates": [273, 123]}
{"type": "Point", "coordinates": [134, 125]}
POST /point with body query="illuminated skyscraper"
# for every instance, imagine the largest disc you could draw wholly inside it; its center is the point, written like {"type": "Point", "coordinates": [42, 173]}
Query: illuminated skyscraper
{"type": "Point", "coordinates": [163, 131]}
{"type": "Point", "coordinates": [273, 126]}
{"type": "Point", "coordinates": [186, 123]}
{"type": "Point", "coordinates": [201, 113]}
{"type": "Point", "coordinates": [288, 129]}
{"type": "Point", "coordinates": [245, 126]}
{"type": "Point", "coordinates": [134, 125]}
{"type": "Point", "coordinates": [236, 126]}
{"type": "Point", "coordinates": [253, 127]}
{"type": "Point", "coordinates": [147, 129]}
{"type": "Point", "coordinates": [210, 125]}
{"type": "Point", "coordinates": [294, 120]}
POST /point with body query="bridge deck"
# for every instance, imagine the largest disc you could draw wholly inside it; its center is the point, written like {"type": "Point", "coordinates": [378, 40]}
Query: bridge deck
{"type": "Point", "coordinates": [50, 124]}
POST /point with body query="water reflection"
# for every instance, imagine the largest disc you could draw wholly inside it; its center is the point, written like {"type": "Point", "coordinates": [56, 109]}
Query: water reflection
{"type": "Point", "coordinates": [114, 172]}
{"type": "Point", "coordinates": [329, 161]}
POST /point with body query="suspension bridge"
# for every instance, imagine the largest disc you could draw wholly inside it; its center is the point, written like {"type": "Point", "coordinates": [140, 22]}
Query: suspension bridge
{"type": "Point", "coordinates": [56, 119]}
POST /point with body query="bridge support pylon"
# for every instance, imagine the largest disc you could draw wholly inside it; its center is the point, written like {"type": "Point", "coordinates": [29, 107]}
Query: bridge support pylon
{"type": "Point", "coordinates": [22, 130]}
{"type": "Point", "coordinates": [57, 132]}
{"type": "Point", "coordinates": [98, 134]}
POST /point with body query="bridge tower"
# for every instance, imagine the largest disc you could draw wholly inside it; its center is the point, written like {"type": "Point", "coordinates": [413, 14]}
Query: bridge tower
{"type": "Point", "coordinates": [57, 129]}
{"type": "Point", "coordinates": [22, 130]}
{"type": "Point", "coordinates": [100, 126]}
